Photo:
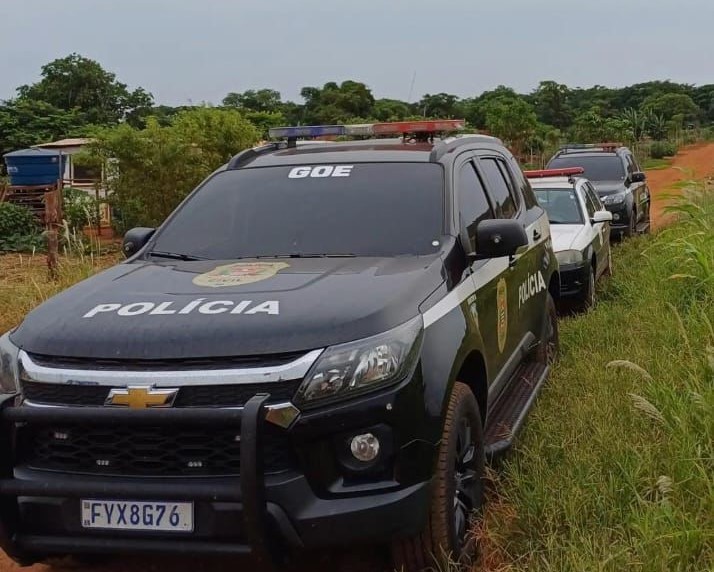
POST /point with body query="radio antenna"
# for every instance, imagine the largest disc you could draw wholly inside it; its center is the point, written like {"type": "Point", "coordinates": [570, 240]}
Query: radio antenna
{"type": "Point", "coordinates": [411, 87]}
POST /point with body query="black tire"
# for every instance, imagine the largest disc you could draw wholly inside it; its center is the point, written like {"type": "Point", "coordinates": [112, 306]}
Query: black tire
{"type": "Point", "coordinates": [549, 346]}
{"type": "Point", "coordinates": [608, 268]}
{"type": "Point", "coordinates": [457, 494]}
{"type": "Point", "coordinates": [648, 220]}
{"type": "Point", "coordinates": [587, 301]}
{"type": "Point", "coordinates": [631, 229]}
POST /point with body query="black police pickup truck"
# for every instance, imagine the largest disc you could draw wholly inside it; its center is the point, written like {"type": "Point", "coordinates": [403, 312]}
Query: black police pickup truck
{"type": "Point", "coordinates": [319, 347]}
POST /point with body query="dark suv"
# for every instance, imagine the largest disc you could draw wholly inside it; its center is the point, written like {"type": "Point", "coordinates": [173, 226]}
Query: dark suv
{"type": "Point", "coordinates": [319, 347]}
{"type": "Point", "coordinates": [618, 180]}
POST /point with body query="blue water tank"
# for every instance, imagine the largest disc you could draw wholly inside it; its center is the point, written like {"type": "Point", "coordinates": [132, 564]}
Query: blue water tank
{"type": "Point", "coordinates": [35, 166]}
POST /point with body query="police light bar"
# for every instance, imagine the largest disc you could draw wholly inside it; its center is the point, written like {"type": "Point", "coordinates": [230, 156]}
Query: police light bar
{"type": "Point", "coordinates": [306, 131]}
{"type": "Point", "coordinates": [541, 173]}
{"type": "Point", "coordinates": [418, 126]}
{"type": "Point", "coordinates": [361, 129]}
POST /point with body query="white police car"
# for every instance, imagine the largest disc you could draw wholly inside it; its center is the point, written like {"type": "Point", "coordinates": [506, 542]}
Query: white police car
{"type": "Point", "coordinates": [580, 229]}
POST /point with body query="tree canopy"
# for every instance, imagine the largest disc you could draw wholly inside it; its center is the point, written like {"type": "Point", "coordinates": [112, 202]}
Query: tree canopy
{"type": "Point", "coordinates": [76, 83]}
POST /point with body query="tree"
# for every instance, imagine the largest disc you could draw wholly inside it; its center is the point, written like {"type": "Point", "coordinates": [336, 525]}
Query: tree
{"type": "Point", "coordinates": [266, 100]}
{"type": "Point", "coordinates": [440, 105]}
{"type": "Point", "coordinates": [656, 126]}
{"type": "Point", "coordinates": [593, 127]}
{"type": "Point", "coordinates": [671, 104]}
{"type": "Point", "coordinates": [473, 109]}
{"type": "Point", "coordinates": [263, 120]}
{"type": "Point", "coordinates": [78, 83]}
{"type": "Point", "coordinates": [552, 104]}
{"type": "Point", "coordinates": [335, 103]}
{"type": "Point", "coordinates": [151, 170]}
{"type": "Point", "coordinates": [636, 122]}
{"type": "Point", "coordinates": [26, 122]}
{"type": "Point", "coordinates": [391, 110]}
{"type": "Point", "coordinates": [704, 98]}
{"type": "Point", "coordinates": [512, 119]}
{"type": "Point", "coordinates": [636, 95]}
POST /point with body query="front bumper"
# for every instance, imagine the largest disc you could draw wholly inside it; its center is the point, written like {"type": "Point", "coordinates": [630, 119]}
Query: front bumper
{"type": "Point", "coordinates": [254, 513]}
{"type": "Point", "coordinates": [574, 279]}
{"type": "Point", "coordinates": [620, 217]}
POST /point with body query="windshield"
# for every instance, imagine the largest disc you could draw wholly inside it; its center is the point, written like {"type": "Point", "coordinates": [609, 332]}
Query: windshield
{"type": "Point", "coordinates": [597, 167]}
{"type": "Point", "coordinates": [561, 205]}
{"type": "Point", "coordinates": [367, 209]}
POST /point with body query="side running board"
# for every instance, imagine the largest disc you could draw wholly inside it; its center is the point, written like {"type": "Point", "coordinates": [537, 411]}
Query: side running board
{"type": "Point", "coordinates": [508, 414]}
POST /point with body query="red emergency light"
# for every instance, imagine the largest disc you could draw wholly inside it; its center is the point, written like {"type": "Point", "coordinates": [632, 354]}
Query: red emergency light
{"type": "Point", "coordinates": [435, 126]}
{"type": "Point", "coordinates": [539, 174]}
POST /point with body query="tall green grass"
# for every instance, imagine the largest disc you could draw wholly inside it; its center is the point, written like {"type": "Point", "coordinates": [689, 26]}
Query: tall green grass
{"type": "Point", "coordinates": [615, 470]}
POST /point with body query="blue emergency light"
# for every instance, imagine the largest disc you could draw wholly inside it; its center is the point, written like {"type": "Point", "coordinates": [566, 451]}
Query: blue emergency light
{"type": "Point", "coordinates": [306, 131]}
{"type": "Point", "coordinates": [427, 127]}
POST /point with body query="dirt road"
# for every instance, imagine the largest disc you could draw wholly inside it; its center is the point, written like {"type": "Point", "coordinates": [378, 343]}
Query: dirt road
{"type": "Point", "coordinates": [695, 162]}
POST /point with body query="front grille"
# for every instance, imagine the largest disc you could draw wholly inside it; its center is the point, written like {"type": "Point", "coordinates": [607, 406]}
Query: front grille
{"type": "Point", "coordinates": [144, 451]}
{"type": "Point", "coordinates": [266, 360]}
{"type": "Point", "coordinates": [188, 396]}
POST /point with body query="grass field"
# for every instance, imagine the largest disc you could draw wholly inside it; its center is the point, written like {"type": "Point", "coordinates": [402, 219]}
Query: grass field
{"type": "Point", "coordinates": [615, 470]}
{"type": "Point", "coordinates": [24, 282]}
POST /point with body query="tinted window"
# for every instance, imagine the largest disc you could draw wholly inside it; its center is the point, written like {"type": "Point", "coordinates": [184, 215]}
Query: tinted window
{"type": "Point", "coordinates": [590, 191]}
{"type": "Point", "coordinates": [561, 205]}
{"type": "Point", "coordinates": [378, 209]}
{"type": "Point", "coordinates": [473, 203]}
{"type": "Point", "coordinates": [597, 167]}
{"type": "Point", "coordinates": [499, 188]}
{"type": "Point", "coordinates": [589, 204]}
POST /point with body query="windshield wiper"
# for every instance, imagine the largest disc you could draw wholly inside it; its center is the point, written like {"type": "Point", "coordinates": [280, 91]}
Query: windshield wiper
{"type": "Point", "coordinates": [174, 256]}
{"type": "Point", "coordinates": [307, 255]}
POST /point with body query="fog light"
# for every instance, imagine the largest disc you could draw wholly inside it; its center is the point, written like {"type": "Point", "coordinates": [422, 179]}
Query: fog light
{"type": "Point", "coordinates": [615, 216]}
{"type": "Point", "coordinates": [365, 447]}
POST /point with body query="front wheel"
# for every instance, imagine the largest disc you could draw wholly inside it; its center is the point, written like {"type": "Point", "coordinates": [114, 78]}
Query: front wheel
{"type": "Point", "coordinates": [457, 494]}
{"type": "Point", "coordinates": [608, 268]}
{"type": "Point", "coordinates": [648, 220]}
{"type": "Point", "coordinates": [587, 299]}
{"type": "Point", "coordinates": [632, 226]}
{"type": "Point", "coordinates": [549, 343]}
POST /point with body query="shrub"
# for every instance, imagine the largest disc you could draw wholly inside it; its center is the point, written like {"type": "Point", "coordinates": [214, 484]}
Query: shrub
{"type": "Point", "coordinates": [16, 220]}
{"type": "Point", "coordinates": [661, 149]}
{"type": "Point", "coordinates": [80, 209]}
{"type": "Point", "coordinates": [150, 171]}
{"type": "Point", "coordinates": [22, 243]}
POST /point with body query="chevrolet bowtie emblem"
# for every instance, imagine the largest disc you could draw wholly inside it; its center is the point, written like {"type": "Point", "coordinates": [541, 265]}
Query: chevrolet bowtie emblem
{"type": "Point", "coordinates": [141, 397]}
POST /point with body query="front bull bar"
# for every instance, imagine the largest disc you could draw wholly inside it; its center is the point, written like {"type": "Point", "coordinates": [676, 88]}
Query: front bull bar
{"type": "Point", "coordinates": [250, 491]}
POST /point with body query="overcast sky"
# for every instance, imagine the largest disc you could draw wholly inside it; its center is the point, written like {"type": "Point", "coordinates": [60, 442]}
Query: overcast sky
{"type": "Point", "coordinates": [198, 50]}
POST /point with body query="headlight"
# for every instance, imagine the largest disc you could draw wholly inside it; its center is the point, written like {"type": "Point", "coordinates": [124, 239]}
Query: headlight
{"type": "Point", "coordinates": [569, 256]}
{"type": "Point", "coordinates": [353, 368]}
{"type": "Point", "coordinates": [617, 199]}
{"type": "Point", "coordinates": [9, 354]}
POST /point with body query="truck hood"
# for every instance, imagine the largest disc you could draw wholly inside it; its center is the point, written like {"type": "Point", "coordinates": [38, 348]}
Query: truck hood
{"type": "Point", "coordinates": [605, 188]}
{"type": "Point", "coordinates": [170, 310]}
{"type": "Point", "coordinates": [564, 236]}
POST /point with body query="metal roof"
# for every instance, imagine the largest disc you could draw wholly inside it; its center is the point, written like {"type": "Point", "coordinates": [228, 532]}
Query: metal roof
{"type": "Point", "coordinates": [71, 142]}
{"type": "Point", "coordinates": [33, 153]}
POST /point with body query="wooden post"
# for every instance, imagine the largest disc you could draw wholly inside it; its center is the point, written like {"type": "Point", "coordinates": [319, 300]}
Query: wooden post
{"type": "Point", "coordinates": [53, 218]}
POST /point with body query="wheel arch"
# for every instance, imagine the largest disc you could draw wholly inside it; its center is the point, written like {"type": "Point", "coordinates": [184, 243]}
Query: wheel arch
{"type": "Point", "coordinates": [473, 373]}
{"type": "Point", "coordinates": [554, 285]}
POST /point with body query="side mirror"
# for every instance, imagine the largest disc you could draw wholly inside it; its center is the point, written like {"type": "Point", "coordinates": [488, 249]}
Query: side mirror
{"type": "Point", "coordinates": [638, 177]}
{"type": "Point", "coordinates": [135, 239]}
{"type": "Point", "coordinates": [499, 237]}
{"type": "Point", "coordinates": [601, 216]}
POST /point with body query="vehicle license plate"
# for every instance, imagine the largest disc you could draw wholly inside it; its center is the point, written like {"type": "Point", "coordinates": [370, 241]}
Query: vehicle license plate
{"type": "Point", "coordinates": [131, 515]}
